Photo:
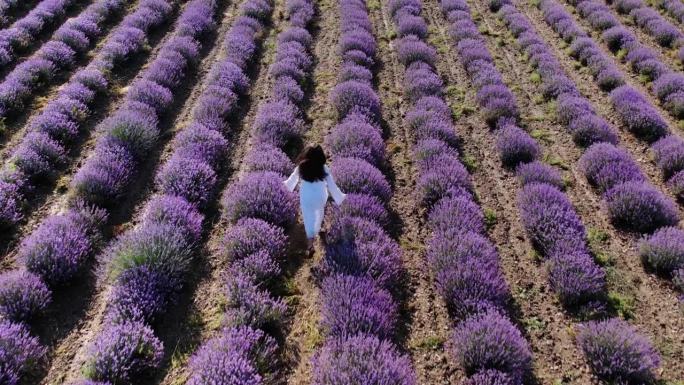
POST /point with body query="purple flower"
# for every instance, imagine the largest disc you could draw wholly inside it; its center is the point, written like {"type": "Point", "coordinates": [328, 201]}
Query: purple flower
{"type": "Point", "coordinates": [669, 154]}
{"type": "Point", "coordinates": [458, 213]}
{"type": "Point", "coordinates": [577, 279]}
{"type": "Point", "coordinates": [265, 157]}
{"type": "Point", "coordinates": [537, 172]}
{"type": "Point", "coordinates": [22, 295]}
{"type": "Point", "coordinates": [239, 355]}
{"type": "Point", "coordinates": [60, 247]}
{"type": "Point", "coordinates": [21, 354]}
{"type": "Point", "coordinates": [617, 353]}
{"type": "Point", "coordinates": [550, 219]}
{"type": "Point", "coordinates": [663, 251]}
{"type": "Point", "coordinates": [122, 352]}
{"type": "Point", "coordinates": [352, 96]}
{"type": "Point", "coordinates": [637, 114]}
{"type": "Point", "coordinates": [490, 341]}
{"type": "Point", "coordinates": [176, 211]}
{"type": "Point", "coordinates": [260, 195]}
{"type": "Point", "coordinates": [191, 179]}
{"type": "Point", "coordinates": [358, 176]}
{"type": "Point", "coordinates": [363, 206]}
{"type": "Point", "coordinates": [516, 146]}
{"type": "Point", "coordinates": [356, 246]}
{"type": "Point", "coordinates": [353, 305]}
{"type": "Point", "coordinates": [247, 304]}
{"type": "Point", "coordinates": [249, 236]}
{"type": "Point", "coordinates": [361, 360]}
{"type": "Point", "coordinates": [444, 176]}
{"type": "Point", "coordinates": [606, 166]}
{"type": "Point", "coordinates": [355, 140]}
{"type": "Point", "coordinates": [141, 294]}
{"type": "Point", "coordinates": [467, 272]}
{"type": "Point", "coordinates": [638, 206]}
{"type": "Point", "coordinates": [277, 123]}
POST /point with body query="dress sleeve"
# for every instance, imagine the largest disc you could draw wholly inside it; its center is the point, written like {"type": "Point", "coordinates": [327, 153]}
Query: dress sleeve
{"type": "Point", "coordinates": [337, 195]}
{"type": "Point", "coordinates": [292, 181]}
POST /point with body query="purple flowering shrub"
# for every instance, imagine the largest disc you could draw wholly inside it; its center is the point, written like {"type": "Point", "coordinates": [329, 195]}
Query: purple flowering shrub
{"type": "Point", "coordinates": [235, 356]}
{"type": "Point", "coordinates": [617, 353]}
{"type": "Point", "coordinates": [260, 195]}
{"type": "Point", "coordinates": [638, 206]}
{"type": "Point", "coordinates": [361, 359]}
{"type": "Point", "coordinates": [663, 251]}
{"type": "Point", "coordinates": [353, 305]}
{"type": "Point", "coordinates": [490, 341]}
{"type": "Point", "coordinates": [357, 246]}
{"type": "Point", "coordinates": [21, 353]}
{"type": "Point", "coordinates": [22, 295]}
{"type": "Point", "coordinates": [60, 247]}
{"type": "Point", "coordinates": [249, 236]}
{"type": "Point", "coordinates": [121, 352]}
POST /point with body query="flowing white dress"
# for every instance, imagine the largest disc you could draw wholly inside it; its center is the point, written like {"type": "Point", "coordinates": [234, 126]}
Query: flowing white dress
{"type": "Point", "coordinates": [313, 197]}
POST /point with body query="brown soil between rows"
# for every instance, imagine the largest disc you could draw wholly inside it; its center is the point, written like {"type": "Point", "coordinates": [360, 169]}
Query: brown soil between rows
{"type": "Point", "coordinates": [49, 198]}
{"type": "Point", "coordinates": [658, 311]}
{"type": "Point", "coordinates": [70, 350]}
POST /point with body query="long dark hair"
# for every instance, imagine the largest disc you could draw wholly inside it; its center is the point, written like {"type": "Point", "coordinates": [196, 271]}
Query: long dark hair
{"type": "Point", "coordinates": [311, 162]}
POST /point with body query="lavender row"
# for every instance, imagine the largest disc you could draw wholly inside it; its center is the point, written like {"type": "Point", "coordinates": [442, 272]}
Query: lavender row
{"type": "Point", "coordinates": [664, 253]}
{"type": "Point", "coordinates": [362, 266]}
{"type": "Point", "coordinates": [260, 210]}
{"type": "Point", "coordinates": [615, 351]}
{"type": "Point", "coordinates": [464, 262]}
{"type": "Point", "coordinates": [58, 250]}
{"type": "Point", "coordinates": [24, 32]}
{"type": "Point", "coordinates": [667, 85]}
{"type": "Point", "coordinates": [145, 286]}
{"type": "Point", "coordinates": [51, 134]}
{"type": "Point", "coordinates": [653, 23]}
{"type": "Point", "coordinates": [547, 214]}
{"type": "Point", "coordinates": [7, 7]}
{"type": "Point", "coordinates": [674, 8]}
{"type": "Point", "coordinates": [70, 41]}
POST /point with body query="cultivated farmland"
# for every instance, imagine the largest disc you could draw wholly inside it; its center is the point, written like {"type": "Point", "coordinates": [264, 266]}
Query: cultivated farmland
{"type": "Point", "coordinates": [513, 170]}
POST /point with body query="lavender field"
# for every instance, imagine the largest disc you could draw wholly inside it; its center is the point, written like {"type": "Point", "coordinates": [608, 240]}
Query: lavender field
{"type": "Point", "coordinates": [514, 172]}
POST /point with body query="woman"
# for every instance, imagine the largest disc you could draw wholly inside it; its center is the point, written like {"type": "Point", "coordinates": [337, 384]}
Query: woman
{"type": "Point", "coordinates": [313, 191]}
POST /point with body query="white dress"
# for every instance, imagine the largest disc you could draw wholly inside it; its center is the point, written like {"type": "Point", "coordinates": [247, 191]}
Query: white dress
{"type": "Point", "coordinates": [313, 197]}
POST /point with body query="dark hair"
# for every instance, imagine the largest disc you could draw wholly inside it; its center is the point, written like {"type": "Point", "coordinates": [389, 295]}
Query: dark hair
{"type": "Point", "coordinates": [311, 164]}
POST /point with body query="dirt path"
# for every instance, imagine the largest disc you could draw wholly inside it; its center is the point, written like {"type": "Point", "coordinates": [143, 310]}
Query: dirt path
{"type": "Point", "coordinates": [302, 334]}
{"type": "Point", "coordinates": [49, 198]}
{"type": "Point", "coordinates": [70, 351]}
{"type": "Point", "coordinates": [650, 302]}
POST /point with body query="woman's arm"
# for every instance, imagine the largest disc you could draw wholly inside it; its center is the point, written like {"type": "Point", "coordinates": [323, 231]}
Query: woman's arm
{"type": "Point", "coordinates": [337, 195]}
{"type": "Point", "coordinates": [292, 181]}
